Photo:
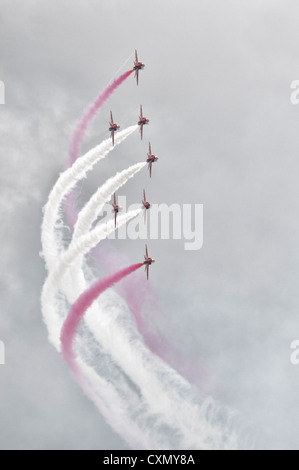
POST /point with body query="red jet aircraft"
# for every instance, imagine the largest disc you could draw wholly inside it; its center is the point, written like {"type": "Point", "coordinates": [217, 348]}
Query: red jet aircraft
{"type": "Point", "coordinates": [116, 209]}
{"type": "Point", "coordinates": [113, 127]}
{"type": "Point", "coordinates": [146, 205]}
{"type": "Point", "coordinates": [137, 66]}
{"type": "Point", "coordinates": [151, 159]}
{"type": "Point", "coordinates": [147, 262]}
{"type": "Point", "coordinates": [142, 121]}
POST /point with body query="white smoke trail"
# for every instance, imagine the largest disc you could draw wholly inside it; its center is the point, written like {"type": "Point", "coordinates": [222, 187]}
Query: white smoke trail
{"type": "Point", "coordinates": [137, 391]}
{"type": "Point", "coordinates": [176, 408]}
{"type": "Point", "coordinates": [67, 180]}
{"type": "Point", "coordinates": [110, 397]}
{"type": "Point", "coordinates": [163, 393]}
{"type": "Point", "coordinates": [94, 206]}
{"type": "Point", "coordinates": [86, 217]}
{"type": "Point", "coordinates": [114, 409]}
{"type": "Point", "coordinates": [54, 319]}
{"type": "Point", "coordinates": [167, 410]}
{"type": "Point", "coordinates": [82, 246]}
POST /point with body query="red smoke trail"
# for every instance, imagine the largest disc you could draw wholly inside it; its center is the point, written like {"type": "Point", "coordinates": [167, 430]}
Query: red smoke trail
{"type": "Point", "coordinates": [89, 114]}
{"type": "Point", "coordinates": [78, 136]}
{"type": "Point", "coordinates": [79, 308]}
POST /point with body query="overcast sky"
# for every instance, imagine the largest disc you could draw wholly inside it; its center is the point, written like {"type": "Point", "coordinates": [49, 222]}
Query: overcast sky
{"type": "Point", "coordinates": [216, 88]}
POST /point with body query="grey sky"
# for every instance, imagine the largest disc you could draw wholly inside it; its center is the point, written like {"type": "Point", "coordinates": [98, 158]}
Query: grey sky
{"type": "Point", "coordinates": [217, 90]}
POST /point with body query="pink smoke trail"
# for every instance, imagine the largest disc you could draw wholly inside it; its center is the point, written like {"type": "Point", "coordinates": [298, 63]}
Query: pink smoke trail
{"type": "Point", "coordinates": [79, 308]}
{"type": "Point", "coordinates": [78, 136]}
{"type": "Point", "coordinates": [135, 302]}
{"type": "Point", "coordinates": [89, 114]}
{"type": "Point", "coordinates": [138, 293]}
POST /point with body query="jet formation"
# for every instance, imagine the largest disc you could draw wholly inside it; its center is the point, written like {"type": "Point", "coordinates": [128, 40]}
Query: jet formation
{"type": "Point", "coordinates": [150, 159]}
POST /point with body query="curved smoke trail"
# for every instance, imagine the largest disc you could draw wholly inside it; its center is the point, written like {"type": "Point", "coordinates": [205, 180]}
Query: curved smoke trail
{"type": "Point", "coordinates": [128, 290]}
{"type": "Point", "coordinates": [155, 341]}
{"type": "Point", "coordinates": [180, 420]}
{"type": "Point", "coordinates": [89, 114]}
{"type": "Point", "coordinates": [149, 404]}
{"type": "Point", "coordinates": [94, 206]}
{"type": "Point", "coordinates": [162, 410]}
{"type": "Point", "coordinates": [142, 302]}
{"type": "Point", "coordinates": [148, 397]}
{"type": "Point", "coordinates": [165, 407]}
{"type": "Point", "coordinates": [66, 182]}
{"type": "Point", "coordinates": [77, 249]}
